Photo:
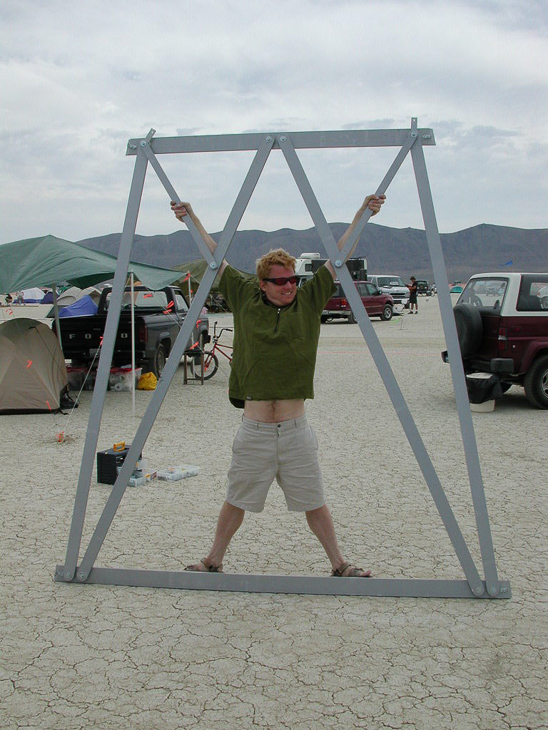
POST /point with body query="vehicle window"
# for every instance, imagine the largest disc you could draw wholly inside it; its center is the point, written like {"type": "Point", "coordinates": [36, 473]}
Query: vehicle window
{"type": "Point", "coordinates": [390, 281]}
{"type": "Point", "coordinates": [151, 300]}
{"type": "Point", "coordinates": [533, 293]}
{"type": "Point", "coordinates": [142, 300]}
{"type": "Point", "coordinates": [362, 289]}
{"type": "Point", "coordinates": [488, 293]}
{"type": "Point", "coordinates": [370, 289]}
{"type": "Point", "coordinates": [181, 304]}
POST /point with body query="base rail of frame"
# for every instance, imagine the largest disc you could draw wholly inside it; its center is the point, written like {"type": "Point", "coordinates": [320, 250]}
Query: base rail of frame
{"type": "Point", "coordinates": [291, 584]}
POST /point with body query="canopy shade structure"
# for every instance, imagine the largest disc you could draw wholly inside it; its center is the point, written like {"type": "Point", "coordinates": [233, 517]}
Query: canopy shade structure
{"type": "Point", "coordinates": [48, 261]}
{"type": "Point", "coordinates": [196, 269]}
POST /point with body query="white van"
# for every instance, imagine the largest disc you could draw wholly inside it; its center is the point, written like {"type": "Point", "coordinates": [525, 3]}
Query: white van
{"type": "Point", "coordinates": [308, 263]}
{"type": "Point", "coordinates": [393, 285]}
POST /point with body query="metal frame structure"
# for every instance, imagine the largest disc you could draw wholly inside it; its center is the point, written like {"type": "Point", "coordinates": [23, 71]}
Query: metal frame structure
{"type": "Point", "coordinates": [146, 151]}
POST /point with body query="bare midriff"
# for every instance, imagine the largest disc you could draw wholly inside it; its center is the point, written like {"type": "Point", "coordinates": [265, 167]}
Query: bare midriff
{"type": "Point", "coordinates": [273, 411]}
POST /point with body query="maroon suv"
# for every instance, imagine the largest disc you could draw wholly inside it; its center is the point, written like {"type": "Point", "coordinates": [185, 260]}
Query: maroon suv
{"type": "Point", "coordinates": [375, 302]}
{"type": "Point", "coordinates": [502, 324]}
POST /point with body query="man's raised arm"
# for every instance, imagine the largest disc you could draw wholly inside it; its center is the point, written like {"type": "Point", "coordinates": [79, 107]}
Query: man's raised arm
{"type": "Point", "coordinates": [183, 209]}
{"type": "Point", "coordinates": [374, 203]}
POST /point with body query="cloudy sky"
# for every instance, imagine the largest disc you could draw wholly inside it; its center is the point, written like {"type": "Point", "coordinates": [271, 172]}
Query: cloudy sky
{"type": "Point", "coordinates": [77, 80]}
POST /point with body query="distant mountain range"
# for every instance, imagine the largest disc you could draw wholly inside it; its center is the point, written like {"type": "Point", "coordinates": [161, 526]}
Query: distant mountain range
{"type": "Point", "coordinates": [402, 251]}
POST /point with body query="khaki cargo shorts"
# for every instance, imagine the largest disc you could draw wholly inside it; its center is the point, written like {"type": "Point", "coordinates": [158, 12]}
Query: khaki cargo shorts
{"type": "Point", "coordinates": [285, 451]}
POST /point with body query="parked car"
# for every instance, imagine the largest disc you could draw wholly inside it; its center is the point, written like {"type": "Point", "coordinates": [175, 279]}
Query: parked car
{"type": "Point", "coordinates": [423, 288]}
{"type": "Point", "coordinates": [375, 302]}
{"type": "Point", "coordinates": [158, 316]}
{"type": "Point", "coordinates": [393, 285]}
{"type": "Point", "coordinates": [503, 330]}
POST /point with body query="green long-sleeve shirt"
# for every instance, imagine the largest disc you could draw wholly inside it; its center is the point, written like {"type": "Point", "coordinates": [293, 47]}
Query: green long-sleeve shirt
{"type": "Point", "coordinates": [274, 347]}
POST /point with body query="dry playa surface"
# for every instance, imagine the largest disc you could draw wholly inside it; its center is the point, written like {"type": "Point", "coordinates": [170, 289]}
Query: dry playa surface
{"type": "Point", "coordinates": [92, 656]}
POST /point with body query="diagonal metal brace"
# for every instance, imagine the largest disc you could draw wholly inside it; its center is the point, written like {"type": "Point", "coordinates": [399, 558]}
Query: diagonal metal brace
{"type": "Point", "coordinates": [172, 363]}
{"type": "Point", "coordinates": [198, 240]}
{"type": "Point", "coordinates": [381, 361]}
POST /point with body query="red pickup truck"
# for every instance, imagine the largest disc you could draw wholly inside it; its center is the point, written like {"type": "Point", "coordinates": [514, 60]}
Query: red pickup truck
{"type": "Point", "coordinates": [375, 302]}
{"type": "Point", "coordinates": [502, 324]}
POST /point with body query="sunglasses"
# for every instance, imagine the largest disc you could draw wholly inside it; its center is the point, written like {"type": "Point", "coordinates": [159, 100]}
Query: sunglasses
{"type": "Point", "coordinates": [282, 280]}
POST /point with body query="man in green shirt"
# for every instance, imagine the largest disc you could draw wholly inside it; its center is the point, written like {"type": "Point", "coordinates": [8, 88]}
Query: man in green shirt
{"type": "Point", "coordinates": [276, 332]}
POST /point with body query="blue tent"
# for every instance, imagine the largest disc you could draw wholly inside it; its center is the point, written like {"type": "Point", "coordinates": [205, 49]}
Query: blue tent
{"type": "Point", "coordinates": [84, 307]}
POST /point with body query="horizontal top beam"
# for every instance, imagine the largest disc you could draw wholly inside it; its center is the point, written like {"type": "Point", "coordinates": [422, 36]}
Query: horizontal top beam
{"type": "Point", "coordinates": [300, 140]}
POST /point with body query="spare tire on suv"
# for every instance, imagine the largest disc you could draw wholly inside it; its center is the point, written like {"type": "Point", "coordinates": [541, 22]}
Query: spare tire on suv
{"type": "Point", "coordinates": [469, 328]}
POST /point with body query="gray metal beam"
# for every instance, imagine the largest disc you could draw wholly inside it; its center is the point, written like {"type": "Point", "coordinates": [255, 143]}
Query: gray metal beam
{"type": "Point", "coordinates": [311, 585]}
{"type": "Point", "coordinates": [103, 368]}
{"type": "Point", "coordinates": [381, 190]}
{"type": "Point", "coordinates": [457, 372]}
{"type": "Point", "coordinates": [174, 358]}
{"type": "Point", "coordinates": [198, 240]}
{"type": "Point", "coordinates": [381, 361]}
{"type": "Point", "coordinates": [301, 140]}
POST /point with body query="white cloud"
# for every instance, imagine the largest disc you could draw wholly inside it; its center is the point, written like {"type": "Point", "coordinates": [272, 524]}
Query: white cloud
{"type": "Point", "coordinates": [78, 80]}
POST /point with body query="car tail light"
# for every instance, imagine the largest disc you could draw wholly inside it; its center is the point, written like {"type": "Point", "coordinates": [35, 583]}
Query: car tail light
{"type": "Point", "coordinates": [502, 339]}
{"type": "Point", "coordinates": [142, 333]}
{"type": "Point", "coordinates": [344, 303]}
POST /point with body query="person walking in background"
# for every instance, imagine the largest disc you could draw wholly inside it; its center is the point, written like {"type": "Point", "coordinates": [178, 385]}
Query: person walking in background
{"type": "Point", "coordinates": [412, 286]}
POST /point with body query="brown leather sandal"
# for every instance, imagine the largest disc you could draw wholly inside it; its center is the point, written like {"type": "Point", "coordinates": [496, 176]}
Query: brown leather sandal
{"type": "Point", "coordinates": [347, 570]}
{"type": "Point", "coordinates": [208, 568]}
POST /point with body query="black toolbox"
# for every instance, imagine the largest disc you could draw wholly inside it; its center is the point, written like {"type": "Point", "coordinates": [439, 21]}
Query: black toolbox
{"type": "Point", "coordinates": [108, 463]}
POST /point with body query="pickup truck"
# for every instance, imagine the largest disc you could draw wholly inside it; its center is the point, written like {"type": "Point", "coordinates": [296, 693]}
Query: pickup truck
{"type": "Point", "coordinates": [158, 315]}
{"type": "Point", "coordinates": [375, 302]}
{"type": "Point", "coordinates": [423, 288]}
{"type": "Point", "coordinates": [392, 284]}
{"type": "Point", "coordinates": [502, 324]}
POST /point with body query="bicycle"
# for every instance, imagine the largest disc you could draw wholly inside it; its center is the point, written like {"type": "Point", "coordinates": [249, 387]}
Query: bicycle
{"type": "Point", "coordinates": [211, 361]}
